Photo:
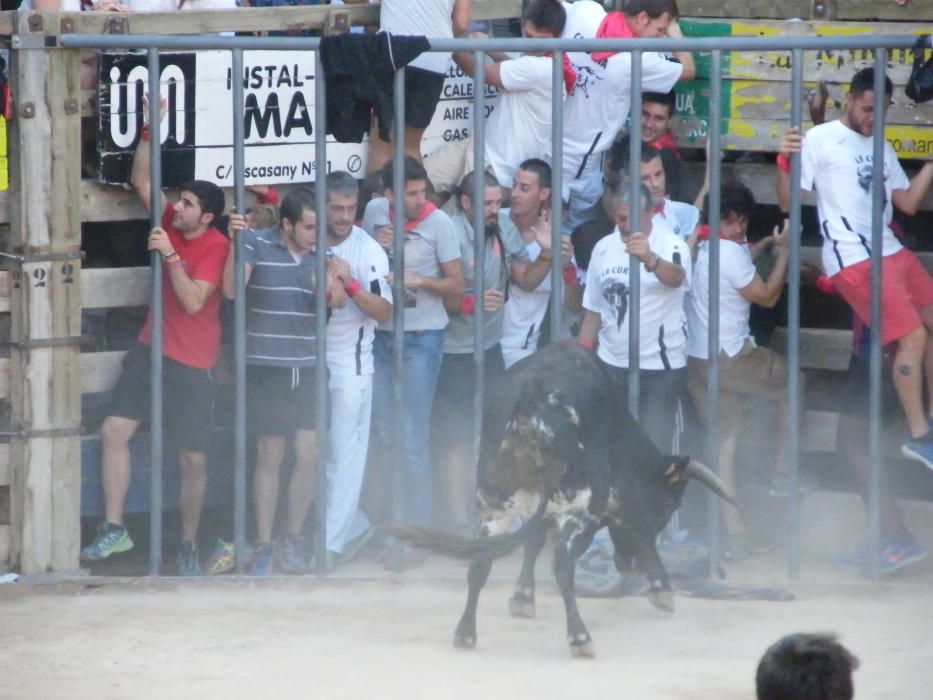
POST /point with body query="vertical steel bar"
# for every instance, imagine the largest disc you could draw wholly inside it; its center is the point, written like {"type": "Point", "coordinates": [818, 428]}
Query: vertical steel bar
{"type": "Point", "coordinates": [155, 310]}
{"type": "Point", "coordinates": [793, 328]}
{"type": "Point", "coordinates": [714, 164]}
{"type": "Point", "coordinates": [320, 308]}
{"type": "Point", "coordinates": [400, 471]}
{"type": "Point", "coordinates": [479, 245]}
{"type": "Point", "coordinates": [634, 216]}
{"type": "Point", "coordinates": [878, 201]}
{"type": "Point", "coordinates": [557, 166]}
{"type": "Point", "coordinates": [239, 321]}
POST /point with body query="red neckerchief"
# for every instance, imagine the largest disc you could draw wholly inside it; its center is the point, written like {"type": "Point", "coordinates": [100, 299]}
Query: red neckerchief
{"type": "Point", "coordinates": [613, 26]}
{"type": "Point", "coordinates": [410, 224]}
{"type": "Point", "coordinates": [665, 142]}
{"type": "Point", "coordinates": [570, 75]}
{"type": "Point", "coordinates": [659, 209]}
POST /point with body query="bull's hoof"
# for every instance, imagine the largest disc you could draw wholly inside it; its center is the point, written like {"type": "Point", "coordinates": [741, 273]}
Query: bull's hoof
{"type": "Point", "coordinates": [581, 647]}
{"type": "Point", "coordinates": [522, 606]}
{"type": "Point", "coordinates": [464, 641]}
{"type": "Point", "coordinates": [662, 600]}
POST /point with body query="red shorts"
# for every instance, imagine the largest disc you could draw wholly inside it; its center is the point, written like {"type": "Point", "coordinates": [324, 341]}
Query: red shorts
{"type": "Point", "coordinates": [906, 289]}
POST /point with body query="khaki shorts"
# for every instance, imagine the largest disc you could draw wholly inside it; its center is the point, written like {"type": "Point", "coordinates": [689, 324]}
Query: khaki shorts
{"type": "Point", "coordinates": [752, 375]}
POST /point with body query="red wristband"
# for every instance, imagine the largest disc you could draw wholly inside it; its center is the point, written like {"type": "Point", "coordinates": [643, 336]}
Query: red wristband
{"type": "Point", "coordinates": [270, 197]}
{"type": "Point", "coordinates": [328, 297]}
{"type": "Point", "coordinates": [144, 133]}
{"type": "Point", "coordinates": [783, 163]}
{"type": "Point", "coordinates": [467, 305]}
{"type": "Point", "coordinates": [585, 343]}
{"type": "Point", "coordinates": [570, 274]}
{"type": "Point", "coordinates": [353, 287]}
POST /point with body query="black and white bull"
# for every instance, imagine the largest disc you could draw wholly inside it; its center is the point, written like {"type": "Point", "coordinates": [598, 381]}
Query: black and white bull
{"type": "Point", "coordinates": [560, 448]}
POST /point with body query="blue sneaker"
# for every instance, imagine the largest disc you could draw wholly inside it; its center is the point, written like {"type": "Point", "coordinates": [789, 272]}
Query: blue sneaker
{"type": "Point", "coordinates": [920, 449]}
{"type": "Point", "coordinates": [858, 558]}
{"type": "Point", "coordinates": [897, 555]}
{"type": "Point", "coordinates": [289, 555]}
{"type": "Point", "coordinates": [262, 560]}
{"type": "Point", "coordinates": [189, 563]}
{"type": "Point", "coordinates": [111, 539]}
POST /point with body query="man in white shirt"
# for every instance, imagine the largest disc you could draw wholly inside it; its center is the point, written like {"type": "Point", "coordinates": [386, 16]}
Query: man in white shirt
{"type": "Point", "coordinates": [836, 161]}
{"type": "Point", "coordinates": [350, 334]}
{"type": "Point", "coordinates": [519, 127]}
{"type": "Point", "coordinates": [746, 372]}
{"type": "Point", "coordinates": [598, 106]}
{"type": "Point", "coordinates": [526, 310]}
{"type": "Point", "coordinates": [662, 324]}
{"type": "Point", "coordinates": [424, 77]}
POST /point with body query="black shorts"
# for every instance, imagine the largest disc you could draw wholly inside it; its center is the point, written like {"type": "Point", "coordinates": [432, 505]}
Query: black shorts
{"type": "Point", "coordinates": [187, 398]}
{"type": "Point", "coordinates": [422, 92]}
{"type": "Point", "coordinates": [279, 400]}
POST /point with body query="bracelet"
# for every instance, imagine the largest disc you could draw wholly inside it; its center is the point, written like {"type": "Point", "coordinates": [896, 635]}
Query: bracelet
{"type": "Point", "coordinates": [175, 263]}
{"type": "Point", "coordinates": [783, 163]}
{"type": "Point", "coordinates": [467, 305]}
{"type": "Point", "coordinates": [657, 263]}
{"type": "Point", "coordinates": [171, 257]}
{"type": "Point", "coordinates": [328, 297]}
{"type": "Point", "coordinates": [144, 133]}
{"type": "Point", "coordinates": [570, 274]}
{"type": "Point", "coordinates": [545, 255]}
{"type": "Point", "coordinates": [353, 287]}
{"type": "Point", "coordinates": [585, 343]}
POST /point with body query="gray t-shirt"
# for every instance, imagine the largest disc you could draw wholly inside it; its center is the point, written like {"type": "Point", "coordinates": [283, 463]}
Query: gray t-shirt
{"type": "Point", "coordinates": [458, 337]}
{"type": "Point", "coordinates": [429, 244]}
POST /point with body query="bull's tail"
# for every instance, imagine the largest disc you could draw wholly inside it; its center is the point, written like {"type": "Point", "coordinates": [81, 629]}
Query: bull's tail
{"type": "Point", "coordinates": [483, 548]}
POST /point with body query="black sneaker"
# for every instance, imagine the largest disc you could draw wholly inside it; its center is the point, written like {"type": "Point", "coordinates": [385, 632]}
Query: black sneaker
{"type": "Point", "coordinates": [189, 563]}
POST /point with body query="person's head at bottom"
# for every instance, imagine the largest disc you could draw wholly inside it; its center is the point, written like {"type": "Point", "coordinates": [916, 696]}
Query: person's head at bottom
{"type": "Point", "coordinates": [806, 667]}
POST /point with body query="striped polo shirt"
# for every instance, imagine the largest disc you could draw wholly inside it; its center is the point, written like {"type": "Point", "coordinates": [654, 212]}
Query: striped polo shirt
{"type": "Point", "coordinates": [280, 318]}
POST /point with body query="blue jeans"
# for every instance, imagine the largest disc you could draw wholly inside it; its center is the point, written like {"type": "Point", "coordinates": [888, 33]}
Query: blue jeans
{"type": "Point", "coordinates": [422, 358]}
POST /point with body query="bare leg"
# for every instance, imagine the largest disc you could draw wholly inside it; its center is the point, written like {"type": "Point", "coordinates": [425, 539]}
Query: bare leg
{"type": "Point", "coordinates": [271, 450]}
{"type": "Point", "coordinates": [380, 152]}
{"type": "Point", "coordinates": [301, 486]}
{"type": "Point", "coordinates": [413, 142]}
{"type": "Point", "coordinates": [730, 514]}
{"type": "Point", "coordinates": [927, 315]}
{"type": "Point", "coordinates": [115, 436]}
{"type": "Point", "coordinates": [908, 382]}
{"type": "Point", "coordinates": [193, 484]}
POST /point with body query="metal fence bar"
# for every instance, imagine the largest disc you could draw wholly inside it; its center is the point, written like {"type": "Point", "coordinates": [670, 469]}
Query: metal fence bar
{"type": "Point", "coordinates": [239, 322]}
{"type": "Point", "coordinates": [634, 217]}
{"type": "Point", "coordinates": [155, 310]}
{"type": "Point", "coordinates": [479, 246]}
{"type": "Point", "coordinates": [662, 44]}
{"type": "Point", "coordinates": [793, 329]}
{"type": "Point", "coordinates": [557, 179]}
{"type": "Point", "coordinates": [714, 165]}
{"type": "Point", "coordinates": [400, 470]}
{"type": "Point", "coordinates": [878, 196]}
{"type": "Point", "coordinates": [320, 320]}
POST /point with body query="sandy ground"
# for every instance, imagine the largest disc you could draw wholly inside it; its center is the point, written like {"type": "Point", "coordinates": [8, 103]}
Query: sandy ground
{"type": "Point", "coordinates": [363, 635]}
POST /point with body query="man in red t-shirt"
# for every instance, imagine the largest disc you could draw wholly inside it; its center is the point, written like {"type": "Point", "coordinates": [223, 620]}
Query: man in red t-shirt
{"type": "Point", "coordinates": [193, 254]}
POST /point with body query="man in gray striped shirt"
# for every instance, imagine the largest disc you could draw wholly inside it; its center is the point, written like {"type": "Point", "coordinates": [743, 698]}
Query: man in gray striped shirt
{"type": "Point", "coordinates": [281, 343]}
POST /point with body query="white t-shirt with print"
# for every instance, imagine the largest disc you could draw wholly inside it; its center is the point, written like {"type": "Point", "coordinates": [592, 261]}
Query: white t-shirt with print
{"type": "Point", "coordinates": [736, 271]}
{"type": "Point", "coordinates": [350, 332]}
{"type": "Point", "coordinates": [430, 18]}
{"type": "Point", "coordinates": [524, 314]}
{"type": "Point", "coordinates": [520, 126]}
{"type": "Point", "coordinates": [599, 104]}
{"type": "Point", "coordinates": [679, 217]}
{"type": "Point", "coordinates": [662, 324]}
{"type": "Point", "coordinates": [837, 163]}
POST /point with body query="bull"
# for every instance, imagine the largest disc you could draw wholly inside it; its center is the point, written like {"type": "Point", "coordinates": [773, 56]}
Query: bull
{"type": "Point", "coordinates": [559, 447]}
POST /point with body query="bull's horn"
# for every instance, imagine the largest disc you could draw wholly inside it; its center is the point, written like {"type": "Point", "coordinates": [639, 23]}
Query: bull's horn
{"type": "Point", "coordinates": [707, 477]}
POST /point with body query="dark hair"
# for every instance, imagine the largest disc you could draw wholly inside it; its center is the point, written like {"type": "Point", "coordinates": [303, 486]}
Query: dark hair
{"type": "Point", "coordinates": [546, 15]}
{"type": "Point", "coordinates": [864, 80]}
{"type": "Point", "coordinates": [295, 203]}
{"type": "Point", "coordinates": [466, 184]}
{"type": "Point", "coordinates": [654, 8]}
{"type": "Point", "coordinates": [342, 183]}
{"type": "Point", "coordinates": [661, 98]}
{"type": "Point", "coordinates": [806, 667]}
{"type": "Point", "coordinates": [539, 168]}
{"type": "Point", "coordinates": [734, 198]}
{"type": "Point", "coordinates": [210, 197]}
{"type": "Point", "coordinates": [413, 169]}
{"type": "Point", "coordinates": [617, 160]}
{"type": "Point", "coordinates": [370, 187]}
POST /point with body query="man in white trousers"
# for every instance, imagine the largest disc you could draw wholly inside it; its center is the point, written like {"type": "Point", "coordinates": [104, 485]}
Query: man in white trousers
{"type": "Point", "coordinates": [350, 333]}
